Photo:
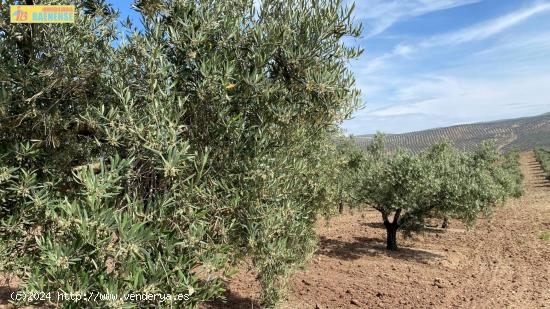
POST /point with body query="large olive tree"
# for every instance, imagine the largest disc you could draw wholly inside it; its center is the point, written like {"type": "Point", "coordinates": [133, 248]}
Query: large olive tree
{"type": "Point", "coordinates": [440, 182]}
{"type": "Point", "coordinates": [151, 162]}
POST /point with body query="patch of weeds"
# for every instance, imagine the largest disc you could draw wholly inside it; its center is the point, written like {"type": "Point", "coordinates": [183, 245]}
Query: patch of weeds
{"type": "Point", "coordinates": [545, 235]}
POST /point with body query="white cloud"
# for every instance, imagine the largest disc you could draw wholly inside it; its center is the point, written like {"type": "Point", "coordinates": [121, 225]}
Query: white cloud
{"type": "Point", "coordinates": [474, 33]}
{"type": "Point", "coordinates": [427, 88]}
{"type": "Point", "coordinates": [471, 98]}
{"type": "Point", "coordinates": [459, 76]}
{"type": "Point", "coordinates": [507, 80]}
{"type": "Point", "coordinates": [445, 101]}
{"type": "Point", "coordinates": [379, 15]}
{"type": "Point", "coordinates": [487, 29]}
{"type": "Point", "coordinates": [531, 43]}
{"type": "Point", "coordinates": [403, 50]}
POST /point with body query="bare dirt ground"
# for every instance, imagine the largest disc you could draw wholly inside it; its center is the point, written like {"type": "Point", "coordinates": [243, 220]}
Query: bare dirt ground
{"type": "Point", "coordinates": [502, 263]}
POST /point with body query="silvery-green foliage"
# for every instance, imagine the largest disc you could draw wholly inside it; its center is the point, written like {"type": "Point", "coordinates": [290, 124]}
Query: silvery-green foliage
{"type": "Point", "coordinates": [512, 173]}
{"type": "Point", "coordinates": [439, 182]}
{"type": "Point", "coordinates": [157, 162]}
{"type": "Point", "coordinates": [543, 157]}
{"type": "Point", "coordinates": [349, 160]}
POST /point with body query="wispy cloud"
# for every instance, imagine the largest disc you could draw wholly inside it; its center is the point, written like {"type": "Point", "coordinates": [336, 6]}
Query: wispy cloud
{"type": "Point", "coordinates": [477, 32]}
{"type": "Point", "coordinates": [379, 15]}
{"type": "Point", "coordinates": [493, 69]}
{"type": "Point", "coordinates": [447, 100]}
{"type": "Point", "coordinates": [471, 98]}
{"type": "Point", "coordinates": [487, 29]}
{"type": "Point", "coordinates": [528, 43]}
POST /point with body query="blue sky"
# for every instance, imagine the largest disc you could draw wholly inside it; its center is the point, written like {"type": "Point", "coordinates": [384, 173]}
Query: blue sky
{"type": "Point", "coordinates": [433, 63]}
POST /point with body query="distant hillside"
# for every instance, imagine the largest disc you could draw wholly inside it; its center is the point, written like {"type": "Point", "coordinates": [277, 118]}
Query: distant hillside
{"type": "Point", "coordinates": [521, 133]}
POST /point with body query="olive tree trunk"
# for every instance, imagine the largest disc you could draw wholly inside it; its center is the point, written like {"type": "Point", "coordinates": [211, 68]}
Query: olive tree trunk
{"type": "Point", "coordinates": [445, 223]}
{"type": "Point", "coordinates": [391, 230]}
{"type": "Point", "coordinates": [391, 240]}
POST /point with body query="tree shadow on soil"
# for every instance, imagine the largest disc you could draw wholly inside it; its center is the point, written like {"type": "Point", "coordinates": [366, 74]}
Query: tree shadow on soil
{"type": "Point", "coordinates": [232, 300]}
{"type": "Point", "coordinates": [374, 225]}
{"type": "Point", "coordinates": [362, 246]}
{"type": "Point", "coordinates": [427, 229]}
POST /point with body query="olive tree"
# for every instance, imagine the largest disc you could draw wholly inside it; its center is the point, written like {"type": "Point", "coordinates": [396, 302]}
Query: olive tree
{"type": "Point", "coordinates": [154, 160]}
{"type": "Point", "coordinates": [393, 186]}
{"type": "Point", "coordinates": [349, 160]}
{"type": "Point", "coordinates": [440, 182]}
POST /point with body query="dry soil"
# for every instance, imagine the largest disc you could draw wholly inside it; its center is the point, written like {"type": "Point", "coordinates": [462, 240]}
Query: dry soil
{"type": "Point", "coordinates": [504, 262]}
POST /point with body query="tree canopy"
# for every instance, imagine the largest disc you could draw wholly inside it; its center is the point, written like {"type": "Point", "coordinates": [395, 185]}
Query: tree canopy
{"type": "Point", "coordinates": [439, 182]}
{"type": "Point", "coordinates": [150, 161]}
